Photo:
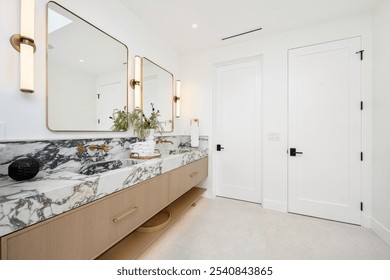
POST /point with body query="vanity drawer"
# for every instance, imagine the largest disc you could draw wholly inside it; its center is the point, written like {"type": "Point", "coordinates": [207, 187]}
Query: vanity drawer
{"type": "Point", "coordinates": [86, 232]}
{"type": "Point", "coordinates": [123, 213]}
{"type": "Point", "coordinates": [128, 209]}
{"type": "Point", "coordinates": [188, 176]}
{"type": "Point", "coordinates": [155, 196]}
{"type": "Point", "coordinates": [72, 235]}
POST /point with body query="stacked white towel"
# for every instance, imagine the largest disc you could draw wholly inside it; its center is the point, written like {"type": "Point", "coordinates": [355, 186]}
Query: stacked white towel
{"type": "Point", "coordinates": [143, 148]}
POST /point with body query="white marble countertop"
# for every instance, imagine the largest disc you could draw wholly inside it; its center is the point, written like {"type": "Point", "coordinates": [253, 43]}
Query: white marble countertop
{"type": "Point", "coordinates": [52, 193]}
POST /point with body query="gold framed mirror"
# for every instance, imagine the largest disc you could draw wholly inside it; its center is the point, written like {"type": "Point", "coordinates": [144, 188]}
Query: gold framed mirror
{"type": "Point", "coordinates": [157, 87]}
{"type": "Point", "coordinates": [87, 73]}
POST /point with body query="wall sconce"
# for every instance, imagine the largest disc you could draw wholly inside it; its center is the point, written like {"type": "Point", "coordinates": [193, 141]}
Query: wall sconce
{"type": "Point", "coordinates": [136, 83]}
{"type": "Point", "coordinates": [24, 43]}
{"type": "Point", "coordinates": [176, 99]}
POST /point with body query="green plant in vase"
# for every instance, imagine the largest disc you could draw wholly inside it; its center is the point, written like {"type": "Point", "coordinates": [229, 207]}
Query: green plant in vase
{"type": "Point", "coordinates": [141, 124]}
{"type": "Point", "coordinates": [120, 120]}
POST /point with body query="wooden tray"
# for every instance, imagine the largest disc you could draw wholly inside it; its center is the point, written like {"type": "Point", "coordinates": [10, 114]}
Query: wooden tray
{"type": "Point", "coordinates": [137, 156]}
{"type": "Point", "coordinates": [157, 222]}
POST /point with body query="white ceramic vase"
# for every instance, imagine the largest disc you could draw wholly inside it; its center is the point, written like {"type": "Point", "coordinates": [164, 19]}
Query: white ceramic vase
{"type": "Point", "coordinates": [150, 141]}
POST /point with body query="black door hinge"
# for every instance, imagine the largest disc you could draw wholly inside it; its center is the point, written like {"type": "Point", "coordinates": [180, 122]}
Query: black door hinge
{"type": "Point", "coordinates": [98, 95]}
{"type": "Point", "coordinates": [361, 206]}
{"type": "Point", "coordinates": [98, 121]}
{"type": "Point", "coordinates": [361, 156]}
{"type": "Point", "coordinates": [361, 54]}
{"type": "Point", "coordinates": [361, 105]}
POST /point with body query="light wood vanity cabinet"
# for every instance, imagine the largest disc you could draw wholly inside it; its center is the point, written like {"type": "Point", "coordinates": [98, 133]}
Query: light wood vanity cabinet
{"type": "Point", "coordinates": [128, 210]}
{"type": "Point", "coordinates": [186, 177]}
{"type": "Point", "coordinates": [88, 231]}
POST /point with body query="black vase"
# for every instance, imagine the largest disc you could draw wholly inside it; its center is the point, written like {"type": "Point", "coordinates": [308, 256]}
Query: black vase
{"type": "Point", "coordinates": [23, 169]}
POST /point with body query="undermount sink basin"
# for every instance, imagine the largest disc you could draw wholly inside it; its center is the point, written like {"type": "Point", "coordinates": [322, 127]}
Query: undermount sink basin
{"type": "Point", "coordinates": [104, 166]}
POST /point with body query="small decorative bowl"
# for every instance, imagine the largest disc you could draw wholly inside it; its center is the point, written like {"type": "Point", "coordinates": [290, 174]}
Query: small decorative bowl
{"type": "Point", "coordinates": [23, 169]}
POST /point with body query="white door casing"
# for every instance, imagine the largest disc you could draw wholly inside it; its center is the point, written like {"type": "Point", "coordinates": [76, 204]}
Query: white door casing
{"type": "Point", "coordinates": [325, 124]}
{"type": "Point", "coordinates": [238, 129]}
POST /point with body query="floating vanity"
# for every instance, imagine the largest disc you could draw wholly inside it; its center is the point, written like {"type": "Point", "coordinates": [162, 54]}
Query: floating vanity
{"type": "Point", "coordinates": [73, 215]}
{"type": "Point", "coordinates": [88, 194]}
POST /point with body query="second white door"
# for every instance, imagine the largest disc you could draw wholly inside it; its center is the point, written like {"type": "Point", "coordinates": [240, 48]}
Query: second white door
{"type": "Point", "coordinates": [325, 129]}
{"type": "Point", "coordinates": [238, 130]}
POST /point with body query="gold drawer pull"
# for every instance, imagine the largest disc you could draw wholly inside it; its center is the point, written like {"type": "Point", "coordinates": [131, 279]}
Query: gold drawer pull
{"type": "Point", "coordinates": [131, 211]}
{"type": "Point", "coordinates": [192, 175]}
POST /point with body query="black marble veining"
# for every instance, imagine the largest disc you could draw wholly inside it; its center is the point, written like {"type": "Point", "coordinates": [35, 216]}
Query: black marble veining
{"type": "Point", "coordinates": [54, 154]}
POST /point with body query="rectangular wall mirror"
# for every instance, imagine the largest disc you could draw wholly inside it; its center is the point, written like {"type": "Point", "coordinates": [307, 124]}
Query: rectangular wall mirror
{"type": "Point", "coordinates": [158, 88]}
{"type": "Point", "coordinates": [86, 73]}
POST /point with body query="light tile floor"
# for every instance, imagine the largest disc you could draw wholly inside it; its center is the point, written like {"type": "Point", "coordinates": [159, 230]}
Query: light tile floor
{"type": "Point", "coordinates": [227, 229]}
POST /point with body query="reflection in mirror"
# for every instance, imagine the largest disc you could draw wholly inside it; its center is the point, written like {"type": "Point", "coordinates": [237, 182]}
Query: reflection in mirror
{"type": "Point", "coordinates": [157, 88]}
{"type": "Point", "coordinates": [86, 73]}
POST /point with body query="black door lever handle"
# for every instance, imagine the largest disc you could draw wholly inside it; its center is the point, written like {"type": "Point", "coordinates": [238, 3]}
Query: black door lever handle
{"type": "Point", "coordinates": [219, 147]}
{"type": "Point", "coordinates": [294, 153]}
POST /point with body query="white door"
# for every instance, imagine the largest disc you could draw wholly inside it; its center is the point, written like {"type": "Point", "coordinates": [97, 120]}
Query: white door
{"type": "Point", "coordinates": [325, 125]}
{"type": "Point", "coordinates": [107, 101]}
{"type": "Point", "coordinates": [238, 130]}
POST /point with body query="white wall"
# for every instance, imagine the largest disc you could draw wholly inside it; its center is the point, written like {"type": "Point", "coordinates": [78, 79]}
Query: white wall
{"type": "Point", "coordinates": [24, 115]}
{"type": "Point", "coordinates": [80, 96]}
{"type": "Point", "coordinates": [197, 91]}
{"type": "Point", "coordinates": [381, 121]}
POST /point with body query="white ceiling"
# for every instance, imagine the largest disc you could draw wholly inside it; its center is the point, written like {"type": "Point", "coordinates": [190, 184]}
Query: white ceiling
{"type": "Point", "coordinates": [78, 44]}
{"type": "Point", "coordinates": [172, 19]}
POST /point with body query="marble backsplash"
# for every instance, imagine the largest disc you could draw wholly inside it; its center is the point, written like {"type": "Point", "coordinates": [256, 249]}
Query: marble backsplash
{"type": "Point", "coordinates": [55, 155]}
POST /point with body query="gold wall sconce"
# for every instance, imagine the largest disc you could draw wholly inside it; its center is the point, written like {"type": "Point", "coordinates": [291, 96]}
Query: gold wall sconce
{"type": "Point", "coordinates": [136, 83]}
{"type": "Point", "coordinates": [24, 43]}
{"type": "Point", "coordinates": [176, 99]}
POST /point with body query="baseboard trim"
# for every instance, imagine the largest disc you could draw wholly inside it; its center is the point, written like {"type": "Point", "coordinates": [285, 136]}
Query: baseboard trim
{"type": "Point", "coordinates": [381, 230]}
{"type": "Point", "coordinates": [367, 221]}
{"type": "Point", "coordinates": [275, 205]}
{"type": "Point", "coordinates": [209, 194]}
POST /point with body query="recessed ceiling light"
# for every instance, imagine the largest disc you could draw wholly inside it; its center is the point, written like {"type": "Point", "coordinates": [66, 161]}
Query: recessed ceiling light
{"type": "Point", "coordinates": [81, 60]}
{"type": "Point", "coordinates": [194, 26]}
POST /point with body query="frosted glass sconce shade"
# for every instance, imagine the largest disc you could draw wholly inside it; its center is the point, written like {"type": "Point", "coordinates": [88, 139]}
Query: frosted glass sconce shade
{"type": "Point", "coordinates": [136, 83]}
{"type": "Point", "coordinates": [24, 43]}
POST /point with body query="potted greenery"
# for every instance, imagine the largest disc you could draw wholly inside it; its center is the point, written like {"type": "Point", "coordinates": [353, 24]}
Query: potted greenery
{"type": "Point", "coordinates": [120, 120]}
{"type": "Point", "coordinates": [141, 124]}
